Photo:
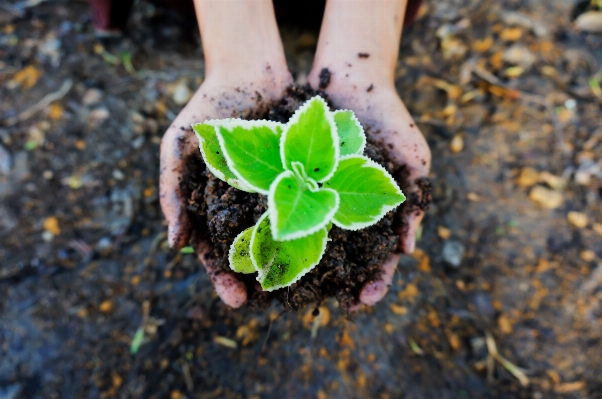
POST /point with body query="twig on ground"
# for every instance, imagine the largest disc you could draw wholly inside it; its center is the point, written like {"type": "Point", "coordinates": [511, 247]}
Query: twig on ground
{"type": "Point", "coordinates": [516, 371]}
{"type": "Point", "coordinates": [40, 105]}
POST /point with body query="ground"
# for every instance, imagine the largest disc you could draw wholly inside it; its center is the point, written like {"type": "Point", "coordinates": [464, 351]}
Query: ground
{"type": "Point", "coordinates": [503, 298]}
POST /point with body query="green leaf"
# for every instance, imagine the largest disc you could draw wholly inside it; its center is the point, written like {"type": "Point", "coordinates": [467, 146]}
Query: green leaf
{"type": "Point", "coordinates": [282, 263]}
{"type": "Point", "coordinates": [187, 250]}
{"type": "Point", "coordinates": [252, 151]}
{"type": "Point", "coordinates": [366, 191]}
{"type": "Point", "coordinates": [352, 139]}
{"type": "Point", "coordinates": [310, 137]}
{"type": "Point", "coordinates": [296, 210]}
{"type": "Point", "coordinates": [137, 341]}
{"type": "Point", "coordinates": [239, 256]}
{"type": "Point", "coordinates": [213, 155]}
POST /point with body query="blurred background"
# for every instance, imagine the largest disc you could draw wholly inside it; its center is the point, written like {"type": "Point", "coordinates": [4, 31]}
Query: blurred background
{"type": "Point", "coordinates": [503, 298]}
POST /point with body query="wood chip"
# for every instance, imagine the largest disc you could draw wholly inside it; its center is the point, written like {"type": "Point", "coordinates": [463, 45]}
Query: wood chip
{"type": "Point", "coordinates": [457, 143]}
{"type": "Point", "coordinates": [443, 232]}
{"type": "Point", "coordinates": [51, 225]}
{"type": "Point", "coordinates": [473, 197]}
{"type": "Point", "coordinates": [570, 387]}
{"type": "Point", "coordinates": [227, 342]}
{"type": "Point", "coordinates": [588, 255]}
{"type": "Point", "coordinates": [398, 310]}
{"type": "Point", "coordinates": [527, 177]}
{"type": "Point", "coordinates": [577, 219]}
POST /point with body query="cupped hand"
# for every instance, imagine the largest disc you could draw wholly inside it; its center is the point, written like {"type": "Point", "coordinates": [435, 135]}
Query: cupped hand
{"type": "Point", "coordinates": [378, 106]}
{"type": "Point", "coordinates": [222, 95]}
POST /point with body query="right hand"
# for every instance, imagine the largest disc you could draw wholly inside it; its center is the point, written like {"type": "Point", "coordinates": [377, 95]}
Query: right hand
{"type": "Point", "coordinates": [218, 97]}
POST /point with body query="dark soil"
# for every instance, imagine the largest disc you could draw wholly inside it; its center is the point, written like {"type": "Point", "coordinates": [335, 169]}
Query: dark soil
{"type": "Point", "coordinates": [352, 257]}
{"type": "Point", "coordinates": [74, 292]}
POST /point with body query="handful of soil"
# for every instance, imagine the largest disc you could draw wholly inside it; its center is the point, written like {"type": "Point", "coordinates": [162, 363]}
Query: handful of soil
{"type": "Point", "coordinates": [352, 257]}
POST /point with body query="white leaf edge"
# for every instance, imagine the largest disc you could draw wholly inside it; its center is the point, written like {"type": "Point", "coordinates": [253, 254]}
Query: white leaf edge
{"type": "Point", "coordinates": [384, 208]}
{"type": "Point", "coordinates": [216, 172]}
{"type": "Point", "coordinates": [260, 271]}
{"type": "Point", "coordinates": [273, 212]}
{"type": "Point", "coordinates": [232, 123]}
{"type": "Point", "coordinates": [232, 250]}
{"type": "Point", "coordinates": [358, 124]}
{"type": "Point", "coordinates": [261, 276]}
{"type": "Point", "coordinates": [333, 132]}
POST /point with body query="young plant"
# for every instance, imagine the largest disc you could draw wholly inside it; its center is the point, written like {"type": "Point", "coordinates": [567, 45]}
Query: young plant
{"type": "Point", "coordinates": [314, 175]}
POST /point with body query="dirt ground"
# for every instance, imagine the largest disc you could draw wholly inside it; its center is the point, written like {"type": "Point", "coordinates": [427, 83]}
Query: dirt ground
{"type": "Point", "coordinates": [503, 299]}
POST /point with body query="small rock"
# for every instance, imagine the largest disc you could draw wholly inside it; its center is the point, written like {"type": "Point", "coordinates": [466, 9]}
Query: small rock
{"type": "Point", "coordinates": [577, 219]}
{"type": "Point", "coordinates": [453, 252]}
{"type": "Point", "coordinates": [590, 21]}
{"type": "Point", "coordinates": [180, 92]}
{"type": "Point", "coordinates": [98, 115]}
{"type": "Point", "coordinates": [519, 54]}
{"type": "Point", "coordinates": [92, 97]}
{"type": "Point", "coordinates": [118, 175]}
{"type": "Point", "coordinates": [457, 143]}
{"type": "Point", "coordinates": [10, 391]}
{"type": "Point", "coordinates": [545, 197]}
{"type": "Point", "coordinates": [527, 178]}
{"type": "Point", "coordinates": [47, 236]}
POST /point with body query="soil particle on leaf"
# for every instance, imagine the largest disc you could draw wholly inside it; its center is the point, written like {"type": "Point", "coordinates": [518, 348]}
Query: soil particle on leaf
{"type": "Point", "coordinates": [363, 55]}
{"type": "Point", "coordinates": [351, 258]}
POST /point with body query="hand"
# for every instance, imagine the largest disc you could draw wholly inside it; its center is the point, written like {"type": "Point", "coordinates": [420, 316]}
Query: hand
{"type": "Point", "coordinates": [243, 72]}
{"type": "Point", "coordinates": [215, 99]}
{"type": "Point", "coordinates": [365, 85]}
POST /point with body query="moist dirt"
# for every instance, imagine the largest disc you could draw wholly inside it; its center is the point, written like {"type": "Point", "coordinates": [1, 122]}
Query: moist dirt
{"type": "Point", "coordinates": [352, 258]}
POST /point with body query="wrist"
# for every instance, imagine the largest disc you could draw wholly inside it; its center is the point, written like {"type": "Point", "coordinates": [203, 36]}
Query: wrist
{"type": "Point", "coordinates": [240, 37]}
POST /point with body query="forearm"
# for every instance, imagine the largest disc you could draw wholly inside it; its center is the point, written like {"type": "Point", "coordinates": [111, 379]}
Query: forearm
{"type": "Point", "coordinates": [371, 28]}
{"type": "Point", "coordinates": [239, 36]}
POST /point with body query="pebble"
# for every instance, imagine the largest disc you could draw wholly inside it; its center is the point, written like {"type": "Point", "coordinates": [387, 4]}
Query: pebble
{"type": "Point", "coordinates": [118, 175]}
{"type": "Point", "coordinates": [181, 92]}
{"type": "Point", "coordinates": [519, 54]}
{"type": "Point", "coordinates": [545, 197]}
{"type": "Point", "coordinates": [590, 21]}
{"type": "Point", "coordinates": [92, 97]}
{"type": "Point", "coordinates": [577, 219]}
{"type": "Point", "coordinates": [597, 227]}
{"type": "Point", "coordinates": [453, 252]}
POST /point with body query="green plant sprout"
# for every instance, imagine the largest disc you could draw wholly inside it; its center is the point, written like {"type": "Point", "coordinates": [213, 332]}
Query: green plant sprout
{"type": "Point", "coordinates": [314, 175]}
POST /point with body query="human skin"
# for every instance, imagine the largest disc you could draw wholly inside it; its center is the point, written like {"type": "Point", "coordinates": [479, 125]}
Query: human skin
{"type": "Point", "coordinates": [365, 84]}
{"type": "Point", "coordinates": [244, 56]}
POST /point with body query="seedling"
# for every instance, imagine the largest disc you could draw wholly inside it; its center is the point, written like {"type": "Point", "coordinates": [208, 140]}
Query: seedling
{"type": "Point", "coordinates": [314, 175]}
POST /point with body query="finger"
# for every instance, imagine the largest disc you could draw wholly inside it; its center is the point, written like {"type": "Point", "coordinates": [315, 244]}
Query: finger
{"type": "Point", "coordinates": [408, 236]}
{"type": "Point", "coordinates": [229, 288]}
{"type": "Point", "coordinates": [176, 145]}
{"type": "Point", "coordinates": [374, 291]}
